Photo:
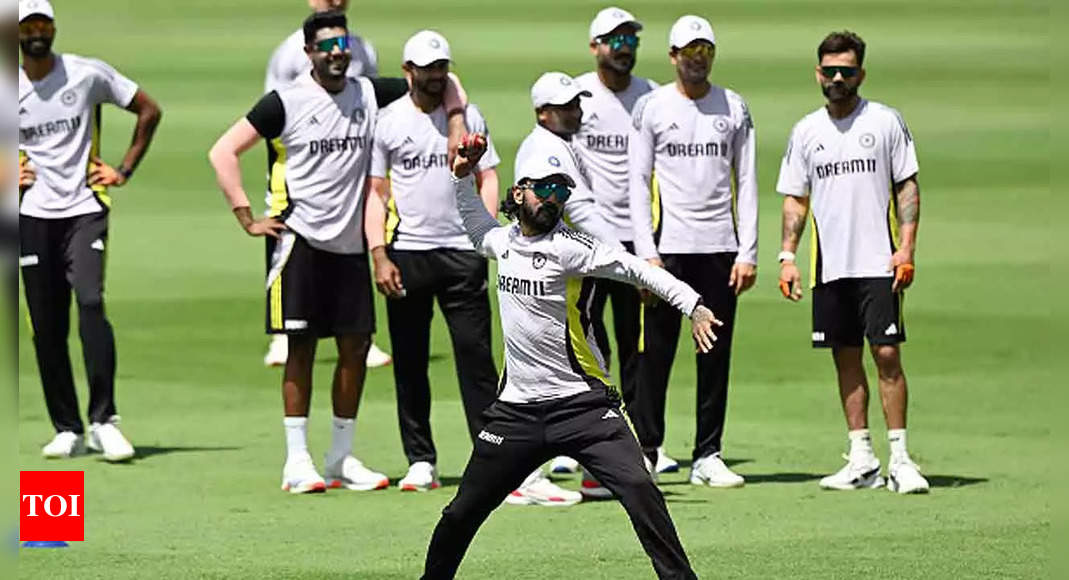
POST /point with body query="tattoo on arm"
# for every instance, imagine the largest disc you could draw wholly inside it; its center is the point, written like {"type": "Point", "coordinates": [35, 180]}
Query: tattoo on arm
{"type": "Point", "coordinates": [793, 224]}
{"type": "Point", "coordinates": [908, 195]}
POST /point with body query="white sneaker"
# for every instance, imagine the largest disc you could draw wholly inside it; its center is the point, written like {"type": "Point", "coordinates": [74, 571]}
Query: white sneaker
{"type": "Point", "coordinates": [666, 464]}
{"type": "Point", "coordinates": [711, 470]}
{"type": "Point", "coordinates": [903, 476]}
{"type": "Point", "coordinates": [376, 357]}
{"type": "Point", "coordinates": [858, 473]}
{"type": "Point", "coordinates": [592, 488]}
{"type": "Point", "coordinates": [65, 444]}
{"type": "Point", "coordinates": [538, 490]}
{"type": "Point", "coordinates": [350, 473]}
{"type": "Point", "coordinates": [299, 475]}
{"type": "Point", "coordinates": [278, 351]}
{"type": "Point", "coordinates": [564, 464]}
{"type": "Point", "coordinates": [422, 476]}
{"type": "Point", "coordinates": [107, 439]}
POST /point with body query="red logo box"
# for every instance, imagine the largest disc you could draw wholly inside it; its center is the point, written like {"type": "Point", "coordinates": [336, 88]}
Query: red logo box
{"type": "Point", "coordinates": [52, 506]}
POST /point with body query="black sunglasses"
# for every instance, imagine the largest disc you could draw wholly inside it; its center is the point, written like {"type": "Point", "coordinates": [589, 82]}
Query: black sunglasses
{"type": "Point", "coordinates": [848, 72]}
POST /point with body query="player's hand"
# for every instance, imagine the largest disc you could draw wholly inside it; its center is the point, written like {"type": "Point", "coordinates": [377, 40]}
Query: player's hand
{"type": "Point", "coordinates": [790, 281]}
{"type": "Point", "coordinates": [902, 265]}
{"type": "Point", "coordinates": [101, 173]}
{"type": "Point", "coordinates": [387, 275]}
{"type": "Point", "coordinates": [27, 176]}
{"type": "Point", "coordinates": [743, 276]}
{"type": "Point", "coordinates": [702, 322]}
{"type": "Point", "coordinates": [471, 150]}
{"type": "Point", "coordinates": [266, 227]}
{"type": "Point", "coordinates": [649, 298]}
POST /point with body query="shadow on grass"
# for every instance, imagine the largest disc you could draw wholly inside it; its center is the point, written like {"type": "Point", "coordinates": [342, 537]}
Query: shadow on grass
{"type": "Point", "coordinates": [687, 463]}
{"type": "Point", "coordinates": [782, 477]}
{"type": "Point", "coordinates": [146, 451]}
{"type": "Point", "coordinates": [954, 480]}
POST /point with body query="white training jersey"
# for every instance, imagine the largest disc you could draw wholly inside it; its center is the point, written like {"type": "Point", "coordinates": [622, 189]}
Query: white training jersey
{"type": "Point", "coordinates": [581, 210]}
{"type": "Point", "coordinates": [411, 149]}
{"type": "Point", "coordinates": [602, 146]}
{"type": "Point", "coordinates": [694, 174]}
{"type": "Point", "coordinates": [545, 290]}
{"type": "Point", "coordinates": [848, 167]}
{"type": "Point", "coordinates": [320, 146]}
{"type": "Point", "coordinates": [289, 61]}
{"type": "Point", "coordinates": [59, 131]}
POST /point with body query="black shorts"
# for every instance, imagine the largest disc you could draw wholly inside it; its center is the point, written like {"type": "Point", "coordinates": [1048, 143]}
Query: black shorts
{"type": "Point", "coordinates": [849, 310]}
{"type": "Point", "coordinates": [315, 292]}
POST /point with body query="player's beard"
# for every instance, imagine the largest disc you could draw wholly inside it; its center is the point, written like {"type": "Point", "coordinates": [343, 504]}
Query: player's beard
{"type": "Point", "coordinates": [838, 92]}
{"type": "Point", "coordinates": [434, 87]}
{"type": "Point", "coordinates": [620, 63]}
{"type": "Point", "coordinates": [543, 219]}
{"type": "Point", "coordinates": [36, 46]}
{"type": "Point", "coordinates": [332, 68]}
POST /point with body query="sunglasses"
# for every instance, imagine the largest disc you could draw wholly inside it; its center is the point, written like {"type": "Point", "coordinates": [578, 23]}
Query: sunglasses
{"type": "Point", "coordinates": [692, 51]}
{"type": "Point", "coordinates": [848, 72]}
{"type": "Point", "coordinates": [328, 44]}
{"type": "Point", "coordinates": [547, 190]}
{"type": "Point", "coordinates": [618, 41]}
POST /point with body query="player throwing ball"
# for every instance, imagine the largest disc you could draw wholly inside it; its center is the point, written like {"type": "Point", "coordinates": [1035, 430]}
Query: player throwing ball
{"type": "Point", "coordinates": [555, 397]}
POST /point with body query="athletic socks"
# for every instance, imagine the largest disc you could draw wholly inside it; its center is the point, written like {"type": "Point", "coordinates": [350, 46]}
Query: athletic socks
{"type": "Point", "coordinates": [860, 444]}
{"type": "Point", "coordinates": [897, 440]}
{"type": "Point", "coordinates": [341, 439]}
{"type": "Point", "coordinates": [296, 435]}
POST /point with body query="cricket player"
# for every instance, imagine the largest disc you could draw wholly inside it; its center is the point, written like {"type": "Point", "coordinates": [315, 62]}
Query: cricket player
{"type": "Point", "coordinates": [288, 62]}
{"type": "Point", "coordinates": [556, 397]}
{"type": "Point", "coordinates": [319, 282]}
{"type": "Point", "coordinates": [558, 113]}
{"type": "Point", "coordinates": [421, 252]}
{"type": "Point", "coordinates": [694, 211]}
{"type": "Point", "coordinates": [853, 164]}
{"type": "Point", "coordinates": [63, 222]}
{"type": "Point", "coordinates": [602, 145]}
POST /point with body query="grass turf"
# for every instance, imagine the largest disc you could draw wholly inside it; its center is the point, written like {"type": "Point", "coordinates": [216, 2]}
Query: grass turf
{"type": "Point", "coordinates": [185, 296]}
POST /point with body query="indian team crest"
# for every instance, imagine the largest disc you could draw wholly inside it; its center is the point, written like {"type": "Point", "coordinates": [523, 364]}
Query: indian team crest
{"type": "Point", "coordinates": [554, 161]}
{"type": "Point", "coordinates": [69, 97]}
{"type": "Point", "coordinates": [435, 43]}
{"type": "Point", "coordinates": [566, 81]}
{"type": "Point", "coordinates": [720, 124]}
{"type": "Point", "coordinates": [695, 25]}
{"type": "Point", "coordinates": [867, 140]}
{"type": "Point", "coordinates": [538, 260]}
{"type": "Point", "coordinates": [358, 115]}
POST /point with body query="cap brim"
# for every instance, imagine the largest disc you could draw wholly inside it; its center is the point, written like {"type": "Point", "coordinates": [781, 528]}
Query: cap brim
{"type": "Point", "coordinates": [44, 15]}
{"type": "Point", "coordinates": [638, 27]}
{"type": "Point", "coordinates": [568, 178]}
{"type": "Point", "coordinates": [562, 101]}
{"type": "Point", "coordinates": [429, 60]}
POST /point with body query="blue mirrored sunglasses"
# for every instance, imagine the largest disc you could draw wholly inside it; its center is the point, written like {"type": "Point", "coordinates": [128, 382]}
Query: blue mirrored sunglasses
{"type": "Point", "coordinates": [618, 41]}
{"type": "Point", "coordinates": [548, 190]}
{"type": "Point", "coordinates": [328, 44]}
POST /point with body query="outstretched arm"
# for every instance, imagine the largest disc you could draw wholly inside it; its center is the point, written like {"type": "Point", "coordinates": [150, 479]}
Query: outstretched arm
{"type": "Point", "coordinates": [477, 220]}
{"type": "Point", "coordinates": [224, 159]}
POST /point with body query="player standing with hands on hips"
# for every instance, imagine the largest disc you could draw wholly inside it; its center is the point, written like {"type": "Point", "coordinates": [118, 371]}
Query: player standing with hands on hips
{"type": "Point", "coordinates": [854, 165]}
{"type": "Point", "coordinates": [63, 222]}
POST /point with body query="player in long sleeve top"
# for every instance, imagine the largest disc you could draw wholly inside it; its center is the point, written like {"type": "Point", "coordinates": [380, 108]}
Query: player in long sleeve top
{"type": "Point", "coordinates": [694, 212]}
{"type": "Point", "coordinates": [556, 397]}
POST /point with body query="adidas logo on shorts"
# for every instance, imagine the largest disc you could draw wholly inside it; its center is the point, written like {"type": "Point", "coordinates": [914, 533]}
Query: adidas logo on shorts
{"type": "Point", "coordinates": [891, 330]}
{"type": "Point", "coordinates": [610, 414]}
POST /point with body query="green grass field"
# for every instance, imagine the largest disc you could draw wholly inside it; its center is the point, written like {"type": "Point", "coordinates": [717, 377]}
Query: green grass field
{"type": "Point", "coordinates": [185, 294]}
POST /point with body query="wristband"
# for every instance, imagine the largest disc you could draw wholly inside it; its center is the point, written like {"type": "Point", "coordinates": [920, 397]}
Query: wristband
{"type": "Point", "coordinates": [125, 171]}
{"type": "Point", "coordinates": [785, 256]}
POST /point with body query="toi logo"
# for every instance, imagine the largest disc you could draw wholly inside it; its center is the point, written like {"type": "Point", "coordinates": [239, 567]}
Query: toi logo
{"type": "Point", "coordinates": [52, 506]}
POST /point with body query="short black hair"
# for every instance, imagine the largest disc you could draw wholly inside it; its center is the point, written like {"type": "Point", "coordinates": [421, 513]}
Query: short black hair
{"type": "Point", "coordinates": [844, 41]}
{"type": "Point", "coordinates": [319, 20]}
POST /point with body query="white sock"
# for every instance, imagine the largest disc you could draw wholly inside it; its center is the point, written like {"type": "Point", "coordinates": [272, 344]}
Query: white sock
{"type": "Point", "coordinates": [341, 439]}
{"type": "Point", "coordinates": [296, 435]}
{"type": "Point", "coordinates": [860, 444]}
{"type": "Point", "coordinates": [897, 439]}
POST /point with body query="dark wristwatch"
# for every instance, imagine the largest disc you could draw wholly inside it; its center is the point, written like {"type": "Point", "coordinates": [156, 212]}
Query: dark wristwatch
{"type": "Point", "coordinates": [125, 171]}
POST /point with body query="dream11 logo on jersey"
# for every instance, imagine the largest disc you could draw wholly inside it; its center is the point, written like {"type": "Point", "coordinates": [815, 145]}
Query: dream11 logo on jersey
{"type": "Point", "coordinates": [51, 506]}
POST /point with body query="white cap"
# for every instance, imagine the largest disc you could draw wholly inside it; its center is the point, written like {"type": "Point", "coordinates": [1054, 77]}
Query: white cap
{"type": "Point", "coordinates": [555, 88]}
{"type": "Point", "coordinates": [609, 19]}
{"type": "Point", "coordinates": [688, 29]}
{"type": "Point", "coordinates": [28, 8]}
{"type": "Point", "coordinates": [540, 165]}
{"type": "Point", "coordinates": [425, 47]}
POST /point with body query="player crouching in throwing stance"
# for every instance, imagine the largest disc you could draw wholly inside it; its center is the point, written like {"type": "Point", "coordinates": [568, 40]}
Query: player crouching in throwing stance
{"type": "Point", "coordinates": [555, 397]}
